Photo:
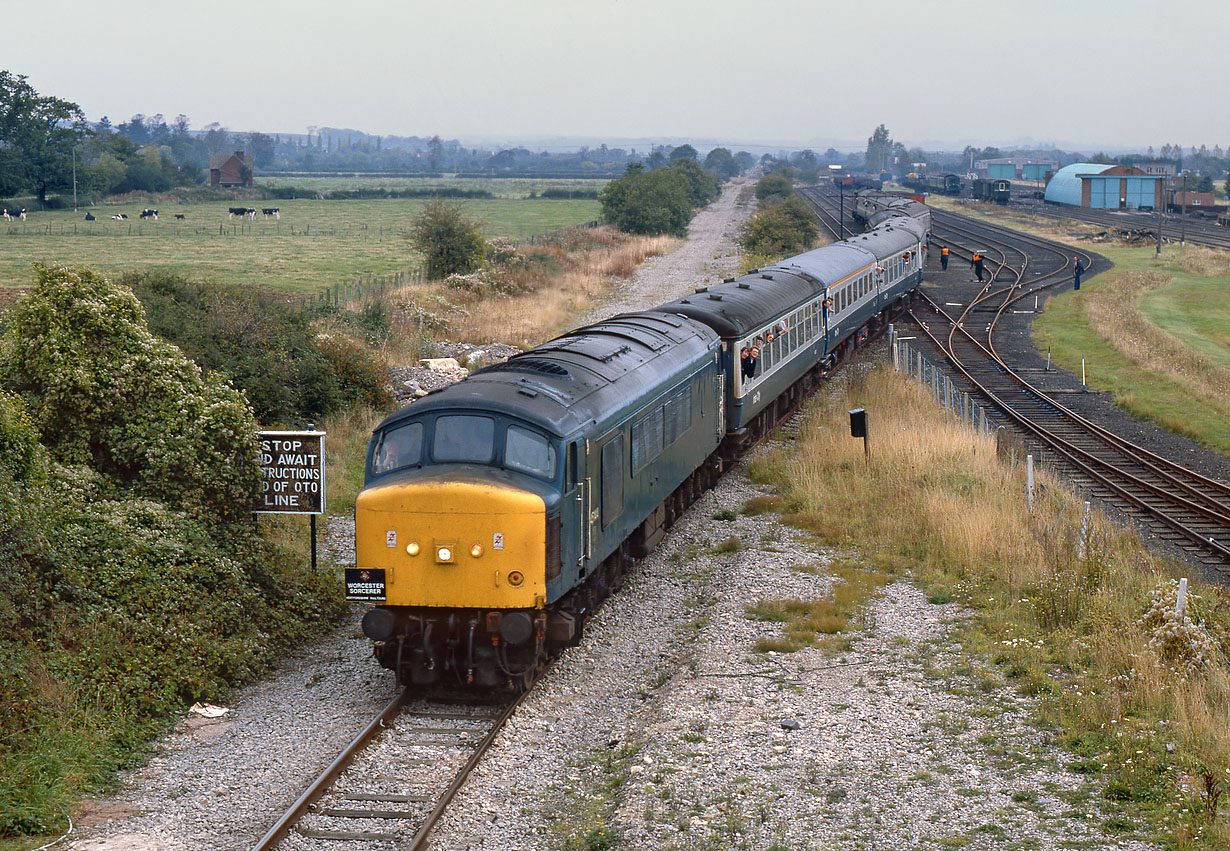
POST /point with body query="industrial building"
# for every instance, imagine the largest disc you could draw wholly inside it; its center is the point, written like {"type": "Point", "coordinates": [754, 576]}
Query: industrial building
{"type": "Point", "coordinates": [1105, 187]}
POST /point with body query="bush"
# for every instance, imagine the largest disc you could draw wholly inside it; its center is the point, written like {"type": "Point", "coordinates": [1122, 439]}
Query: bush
{"type": "Point", "coordinates": [21, 455]}
{"type": "Point", "coordinates": [450, 242]}
{"type": "Point", "coordinates": [117, 614]}
{"type": "Point", "coordinates": [774, 187]}
{"type": "Point", "coordinates": [648, 202]}
{"type": "Point", "coordinates": [104, 391]}
{"type": "Point", "coordinates": [780, 229]}
{"type": "Point", "coordinates": [265, 346]}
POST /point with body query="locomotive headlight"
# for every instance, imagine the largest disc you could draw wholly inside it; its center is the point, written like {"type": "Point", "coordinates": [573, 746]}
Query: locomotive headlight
{"type": "Point", "coordinates": [444, 553]}
{"type": "Point", "coordinates": [412, 549]}
{"type": "Point", "coordinates": [476, 550]}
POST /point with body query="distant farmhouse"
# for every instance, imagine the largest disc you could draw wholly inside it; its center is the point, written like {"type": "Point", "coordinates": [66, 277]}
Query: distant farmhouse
{"type": "Point", "coordinates": [230, 169]}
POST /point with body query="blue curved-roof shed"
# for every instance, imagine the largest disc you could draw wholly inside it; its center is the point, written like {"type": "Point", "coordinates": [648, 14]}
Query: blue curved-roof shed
{"type": "Point", "coordinates": [1065, 186]}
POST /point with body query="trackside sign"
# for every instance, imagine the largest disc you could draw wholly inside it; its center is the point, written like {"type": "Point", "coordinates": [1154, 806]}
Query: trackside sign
{"type": "Point", "coordinates": [293, 472]}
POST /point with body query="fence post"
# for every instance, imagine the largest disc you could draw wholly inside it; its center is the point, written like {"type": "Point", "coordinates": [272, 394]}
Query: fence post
{"type": "Point", "coordinates": [1180, 606]}
{"type": "Point", "coordinates": [1082, 543]}
{"type": "Point", "coordinates": [1029, 481]}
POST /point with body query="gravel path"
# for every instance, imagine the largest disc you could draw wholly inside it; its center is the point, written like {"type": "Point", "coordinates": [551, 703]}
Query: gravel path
{"type": "Point", "coordinates": [664, 727]}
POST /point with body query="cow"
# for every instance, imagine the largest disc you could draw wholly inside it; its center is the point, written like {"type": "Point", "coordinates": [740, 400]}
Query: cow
{"type": "Point", "coordinates": [237, 211]}
{"type": "Point", "coordinates": [120, 216]}
{"type": "Point", "coordinates": [9, 215]}
{"type": "Point", "coordinates": [89, 217]}
{"type": "Point", "coordinates": [149, 214]}
{"type": "Point", "coordinates": [251, 211]}
{"type": "Point", "coordinates": [179, 215]}
{"type": "Point", "coordinates": [271, 211]}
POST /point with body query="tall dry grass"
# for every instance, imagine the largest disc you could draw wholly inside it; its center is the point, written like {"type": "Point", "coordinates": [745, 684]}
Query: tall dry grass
{"type": "Point", "coordinates": [1114, 314]}
{"type": "Point", "coordinates": [1072, 628]}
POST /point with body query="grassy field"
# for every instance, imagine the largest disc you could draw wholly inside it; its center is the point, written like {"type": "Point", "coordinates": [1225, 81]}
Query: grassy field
{"type": "Point", "coordinates": [500, 187]}
{"type": "Point", "coordinates": [314, 244]}
{"type": "Point", "coordinates": [1154, 333]}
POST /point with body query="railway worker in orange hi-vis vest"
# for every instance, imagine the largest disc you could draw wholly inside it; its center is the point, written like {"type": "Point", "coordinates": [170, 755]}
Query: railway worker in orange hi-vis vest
{"type": "Point", "coordinates": [976, 262]}
{"type": "Point", "coordinates": [944, 258]}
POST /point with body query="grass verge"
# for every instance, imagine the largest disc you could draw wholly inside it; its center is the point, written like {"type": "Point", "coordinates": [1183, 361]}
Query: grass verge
{"type": "Point", "coordinates": [1134, 692]}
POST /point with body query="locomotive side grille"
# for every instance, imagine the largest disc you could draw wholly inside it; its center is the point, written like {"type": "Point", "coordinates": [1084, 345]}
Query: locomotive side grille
{"type": "Point", "coordinates": [554, 563]}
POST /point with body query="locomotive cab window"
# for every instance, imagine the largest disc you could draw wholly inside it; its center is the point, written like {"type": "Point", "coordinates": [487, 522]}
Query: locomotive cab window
{"type": "Point", "coordinates": [398, 448]}
{"type": "Point", "coordinates": [529, 452]}
{"type": "Point", "coordinates": [464, 438]}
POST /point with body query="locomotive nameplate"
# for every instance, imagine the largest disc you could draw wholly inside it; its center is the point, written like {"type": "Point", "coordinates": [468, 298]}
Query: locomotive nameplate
{"type": "Point", "coordinates": [365, 583]}
{"type": "Point", "coordinates": [292, 473]}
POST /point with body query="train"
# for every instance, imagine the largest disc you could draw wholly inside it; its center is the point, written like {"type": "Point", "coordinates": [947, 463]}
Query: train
{"type": "Point", "coordinates": [498, 512]}
{"type": "Point", "coordinates": [997, 190]}
{"type": "Point", "coordinates": [943, 184]}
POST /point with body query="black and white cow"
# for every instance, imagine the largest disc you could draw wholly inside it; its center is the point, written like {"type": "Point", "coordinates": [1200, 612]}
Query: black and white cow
{"type": "Point", "coordinates": [149, 214]}
{"type": "Point", "coordinates": [120, 216]}
{"type": "Point", "coordinates": [9, 215]}
{"type": "Point", "coordinates": [179, 215]}
{"type": "Point", "coordinates": [89, 217]}
{"type": "Point", "coordinates": [237, 211]}
{"type": "Point", "coordinates": [271, 211]}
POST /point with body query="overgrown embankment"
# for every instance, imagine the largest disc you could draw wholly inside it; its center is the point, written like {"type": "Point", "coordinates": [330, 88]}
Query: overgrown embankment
{"type": "Point", "coordinates": [1087, 625]}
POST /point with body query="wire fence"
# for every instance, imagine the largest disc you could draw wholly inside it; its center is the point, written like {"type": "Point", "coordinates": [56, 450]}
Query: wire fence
{"type": "Point", "coordinates": [350, 290]}
{"type": "Point", "coordinates": [948, 395]}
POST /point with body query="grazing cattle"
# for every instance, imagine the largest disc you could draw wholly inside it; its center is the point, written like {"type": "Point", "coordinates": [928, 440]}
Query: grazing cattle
{"type": "Point", "coordinates": [251, 212]}
{"type": "Point", "coordinates": [179, 215]}
{"type": "Point", "coordinates": [89, 217]}
{"type": "Point", "coordinates": [9, 215]}
{"type": "Point", "coordinates": [237, 211]}
{"type": "Point", "coordinates": [149, 214]}
{"type": "Point", "coordinates": [272, 211]}
{"type": "Point", "coordinates": [119, 216]}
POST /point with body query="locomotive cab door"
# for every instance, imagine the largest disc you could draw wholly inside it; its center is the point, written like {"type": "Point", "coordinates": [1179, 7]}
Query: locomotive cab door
{"type": "Point", "coordinates": [575, 536]}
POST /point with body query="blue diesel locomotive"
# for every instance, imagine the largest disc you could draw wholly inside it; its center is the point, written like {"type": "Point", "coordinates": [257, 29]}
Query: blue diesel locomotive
{"type": "Point", "coordinates": [498, 512]}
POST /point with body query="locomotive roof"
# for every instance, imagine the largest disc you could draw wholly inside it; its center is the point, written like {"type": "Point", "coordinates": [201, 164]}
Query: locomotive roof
{"type": "Point", "coordinates": [579, 377]}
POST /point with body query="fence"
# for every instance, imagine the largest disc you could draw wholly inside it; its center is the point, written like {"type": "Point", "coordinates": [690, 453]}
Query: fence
{"type": "Point", "coordinates": [910, 360]}
{"type": "Point", "coordinates": [345, 292]}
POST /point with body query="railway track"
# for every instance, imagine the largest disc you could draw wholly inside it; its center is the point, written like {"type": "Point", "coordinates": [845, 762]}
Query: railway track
{"type": "Point", "coordinates": [1178, 505]}
{"type": "Point", "coordinates": [1195, 232]}
{"type": "Point", "coordinates": [391, 784]}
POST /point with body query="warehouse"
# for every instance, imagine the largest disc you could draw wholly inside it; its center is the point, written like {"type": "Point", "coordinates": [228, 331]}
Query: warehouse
{"type": "Point", "coordinates": [1105, 187]}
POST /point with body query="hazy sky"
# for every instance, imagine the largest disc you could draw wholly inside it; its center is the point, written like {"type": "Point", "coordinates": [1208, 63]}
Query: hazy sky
{"type": "Point", "coordinates": [951, 72]}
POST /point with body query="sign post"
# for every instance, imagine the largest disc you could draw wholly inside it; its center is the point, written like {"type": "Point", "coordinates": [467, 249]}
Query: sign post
{"type": "Point", "coordinates": [293, 475]}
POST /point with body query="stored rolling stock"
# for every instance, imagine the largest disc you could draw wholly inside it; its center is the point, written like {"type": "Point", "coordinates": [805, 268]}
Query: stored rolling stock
{"type": "Point", "coordinates": [499, 511]}
{"type": "Point", "coordinates": [997, 190]}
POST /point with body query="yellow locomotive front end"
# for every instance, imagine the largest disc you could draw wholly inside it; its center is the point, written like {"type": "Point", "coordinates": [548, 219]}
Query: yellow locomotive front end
{"type": "Point", "coordinates": [460, 543]}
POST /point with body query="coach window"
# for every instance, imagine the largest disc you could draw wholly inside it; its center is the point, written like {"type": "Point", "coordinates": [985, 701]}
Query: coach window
{"type": "Point", "coordinates": [529, 452]}
{"type": "Point", "coordinates": [464, 438]}
{"type": "Point", "coordinates": [646, 439]}
{"type": "Point", "coordinates": [612, 479]}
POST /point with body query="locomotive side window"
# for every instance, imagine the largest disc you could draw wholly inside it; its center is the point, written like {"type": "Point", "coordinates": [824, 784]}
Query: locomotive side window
{"type": "Point", "coordinates": [464, 438]}
{"type": "Point", "coordinates": [529, 452]}
{"type": "Point", "coordinates": [612, 479]}
{"type": "Point", "coordinates": [397, 448]}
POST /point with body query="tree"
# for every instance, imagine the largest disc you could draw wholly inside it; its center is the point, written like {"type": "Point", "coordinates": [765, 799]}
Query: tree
{"type": "Point", "coordinates": [702, 186]}
{"type": "Point", "coordinates": [37, 135]}
{"type": "Point", "coordinates": [450, 242]}
{"type": "Point", "coordinates": [774, 187]}
{"type": "Point", "coordinates": [782, 228]}
{"type": "Point", "coordinates": [648, 202]}
{"type": "Point", "coordinates": [722, 163]}
{"type": "Point", "coordinates": [684, 152]}
{"type": "Point", "coordinates": [260, 147]}
{"type": "Point", "coordinates": [879, 149]}
{"type": "Point", "coordinates": [1205, 183]}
